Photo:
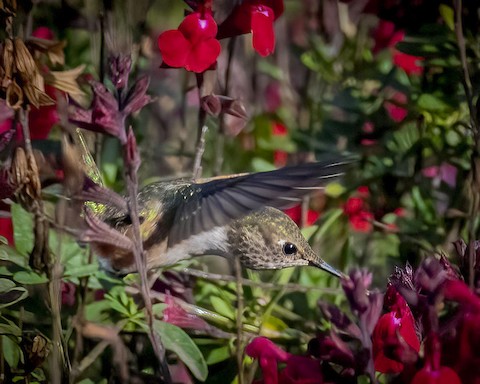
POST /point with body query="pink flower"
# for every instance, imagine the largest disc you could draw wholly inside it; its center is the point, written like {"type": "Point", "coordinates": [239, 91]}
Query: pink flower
{"type": "Point", "coordinates": [394, 338]}
{"type": "Point", "coordinates": [445, 172]}
{"type": "Point", "coordinates": [193, 45]}
{"type": "Point", "coordinates": [395, 108]}
{"type": "Point", "coordinates": [367, 129]}
{"type": "Point", "coordinates": [176, 315]}
{"type": "Point", "coordinates": [43, 33]}
{"type": "Point", "coordinates": [257, 17]}
{"type": "Point", "coordinates": [298, 369]}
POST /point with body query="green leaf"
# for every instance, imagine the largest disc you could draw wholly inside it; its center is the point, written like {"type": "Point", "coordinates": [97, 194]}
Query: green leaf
{"type": "Point", "coordinates": [8, 327]}
{"type": "Point", "coordinates": [11, 351]}
{"type": "Point", "coordinates": [222, 307]}
{"type": "Point", "coordinates": [81, 271]}
{"type": "Point", "coordinates": [218, 354]}
{"type": "Point", "coordinates": [432, 103]}
{"type": "Point", "coordinates": [29, 278]}
{"type": "Point", "coordinates": [6, 285]}
{"type": "Point", "coordinates": [176, 339]}
{"type": "Point", "coordinates": [12, 296]}
{"type": "Point", "coordinates": [447, 14]}
{"type": "Point", "coordinates": [12, 255]}
{"type": "Point", "coordinates": [23, 234]}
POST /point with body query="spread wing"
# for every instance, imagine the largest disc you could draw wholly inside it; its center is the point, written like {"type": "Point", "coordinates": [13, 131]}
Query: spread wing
{"type": "Point", "coordinates": [217, 202]}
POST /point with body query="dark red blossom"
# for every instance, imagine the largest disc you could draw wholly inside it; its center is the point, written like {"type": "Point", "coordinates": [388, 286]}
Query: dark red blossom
{"type": "Point", "coordinates": [433, 372]}
{"type": "Point", "coordinates": [193, 45]}
{"type": "Point", "coordinates": [106, 113]}
{"type": "Point", "coordinates": [257, 17]}
{"type": "Point", "coordinates": [395, 341]}
{"type": "Point", "coordinates": [68, 293]}
{"type": "Point", "coordinates": [298, 369]}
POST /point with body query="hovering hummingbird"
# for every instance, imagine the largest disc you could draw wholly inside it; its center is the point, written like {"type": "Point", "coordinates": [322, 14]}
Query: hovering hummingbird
{"type": "Point", "coordinates": [233, 216]}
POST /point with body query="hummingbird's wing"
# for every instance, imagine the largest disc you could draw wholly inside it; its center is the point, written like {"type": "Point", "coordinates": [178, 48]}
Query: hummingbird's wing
{"type": "Point", "coordinates": [219, 201]}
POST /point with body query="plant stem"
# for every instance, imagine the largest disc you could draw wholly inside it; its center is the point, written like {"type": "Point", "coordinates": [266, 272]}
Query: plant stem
{"type": "Point", "coordinates": [474, 127]}
{"type": "Point", "coordinates": [131, 178]}
{"type": "Point", "coordinates": [239, 319]}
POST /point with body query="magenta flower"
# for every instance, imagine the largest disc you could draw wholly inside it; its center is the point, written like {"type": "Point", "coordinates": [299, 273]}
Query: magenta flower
{"type": "Point", "coordinates": [257, 17]}
{"type": "Point", "coordinates": [444, 172]}
{"type": "Point", "coordinates": [298, 369]}
{"type": "Point", "coordinates": [395, 341]}
{"type": "Point", "coordinates": [193, 45]}
{"type": "Point", "coordinates": [176, 315]}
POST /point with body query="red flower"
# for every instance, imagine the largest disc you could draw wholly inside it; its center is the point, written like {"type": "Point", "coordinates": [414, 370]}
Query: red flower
{"type": "Point", "coordinates": [193, 45]}
{"type": "Point", "coordinates": [298, 369]}
{"type": "Point", "coordinates": [257, 17]}
{"type": "Point", "coordinates": [357, 212]}
{"type": "Point", "coordinates": [279, 157]}
{"type": "Point", "coordinates": [41, 120]}
{"type": "Point", "coordinates": [295, 214]}
{"type": "Point", "coordinates": [394, 339]}
{"type": "Point", "coordinates": [353, 206]}
{"type": "Point", "coordinates": [387, 37]}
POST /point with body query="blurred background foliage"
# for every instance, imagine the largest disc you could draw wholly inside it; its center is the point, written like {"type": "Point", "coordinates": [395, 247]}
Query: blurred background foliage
{"type": "Point", "coordinates": [381, 80]}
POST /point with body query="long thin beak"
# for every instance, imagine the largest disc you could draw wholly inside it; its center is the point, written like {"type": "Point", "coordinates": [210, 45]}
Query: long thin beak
{"type": "Point", "coordinates": [326, 267]}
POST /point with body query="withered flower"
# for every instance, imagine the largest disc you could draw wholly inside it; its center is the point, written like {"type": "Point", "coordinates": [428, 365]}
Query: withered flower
{"type": "Point", "coordinates": [21, 78]}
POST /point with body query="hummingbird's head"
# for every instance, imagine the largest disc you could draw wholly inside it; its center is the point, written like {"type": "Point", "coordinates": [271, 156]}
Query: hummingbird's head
{"type": "Point", "coordinates": [269, 239]}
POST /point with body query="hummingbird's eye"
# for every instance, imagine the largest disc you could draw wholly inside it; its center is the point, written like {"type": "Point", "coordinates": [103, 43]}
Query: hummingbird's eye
{"type": "Point", "coordinates": [289, 249]}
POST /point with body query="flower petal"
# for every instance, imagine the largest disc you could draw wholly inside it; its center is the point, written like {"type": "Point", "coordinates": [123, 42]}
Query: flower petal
{"type": "Point", "coordinates": [174, 48]}
{"type": "Point", "coordinates": [263, 34]}
{"type": "Point", "coordinates": [196, 28]}
{"type": "Point", "coordinates": [203, 55]}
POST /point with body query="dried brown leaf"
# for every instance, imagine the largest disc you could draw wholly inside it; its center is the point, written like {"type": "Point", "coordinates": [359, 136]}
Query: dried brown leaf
{"type": "Point", "coordinates": [52, 48]}
{"type": "Point", "coordinates": [14, 95]}
{"type": "Point", "coordinates": [8, 58]}
{"type": "Point", "coordinates": [23, 59]}
{"type": "Point", "coordinates": [66, 81]}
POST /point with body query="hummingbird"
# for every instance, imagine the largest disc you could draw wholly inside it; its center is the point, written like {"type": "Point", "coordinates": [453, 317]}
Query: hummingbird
{"type": "Point", "coordinates": [231, 216]}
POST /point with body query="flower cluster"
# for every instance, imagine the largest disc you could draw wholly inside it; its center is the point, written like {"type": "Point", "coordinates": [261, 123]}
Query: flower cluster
{"type": "Point", "coordinates": [357, 211]}
{"type": "Point", "coordinates": [362, 219]}
{"type": "Point", "coordinates": [194, 44]}
{"type": "Point", "coordinates": [390, 343]}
